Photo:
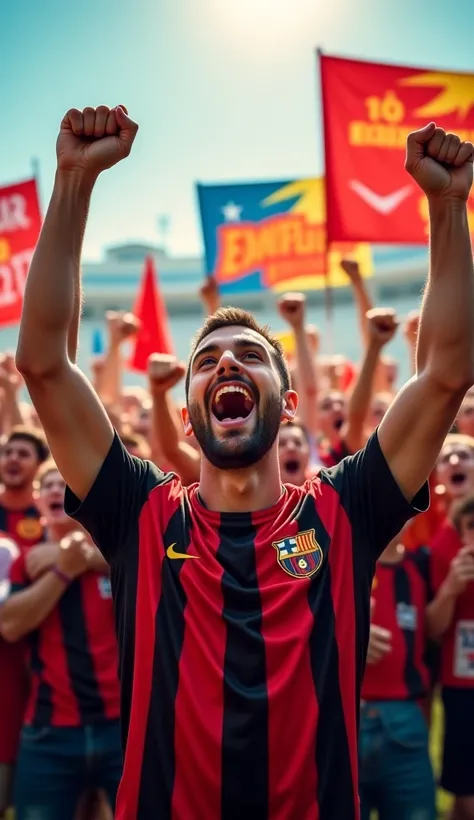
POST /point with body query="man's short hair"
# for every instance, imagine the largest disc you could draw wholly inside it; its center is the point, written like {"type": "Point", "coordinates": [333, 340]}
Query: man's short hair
{"type": "Point", "coordinates": [35, 437]}
{"type": "Point", "coordinates": [228, 316]}
{"type": "Point", "coordinates": [460, 439]}
{"type": "Point", "coordinates": [47, 467]}
{"type": "Point", "coordinates": [299, 424]}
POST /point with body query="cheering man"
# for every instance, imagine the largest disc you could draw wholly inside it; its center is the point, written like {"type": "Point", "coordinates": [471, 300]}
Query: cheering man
{"type": "Point", "coordinates": [242, 606]}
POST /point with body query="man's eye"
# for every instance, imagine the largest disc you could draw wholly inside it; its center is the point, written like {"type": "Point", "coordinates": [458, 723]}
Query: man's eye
{"type": "Point", "coordinates": [208, 360]}
{"type": "Point", "coordinates": [251, 354]}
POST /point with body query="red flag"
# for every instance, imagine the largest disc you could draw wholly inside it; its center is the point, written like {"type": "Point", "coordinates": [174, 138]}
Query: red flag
{"type": "Point", "coordinates": [369, 109]}
{"type": "Point", "coordinates": [20, 224]}
{"type": "Point", "coordinates": [154, 334]}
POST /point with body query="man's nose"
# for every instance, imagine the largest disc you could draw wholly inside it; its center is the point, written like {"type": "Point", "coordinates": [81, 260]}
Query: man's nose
{"type": "Point", "coordinates": [228, 364]}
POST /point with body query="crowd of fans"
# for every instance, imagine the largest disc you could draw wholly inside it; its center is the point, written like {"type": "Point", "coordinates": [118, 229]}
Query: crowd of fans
{"type": "Point", "coordinates": [60, 742]}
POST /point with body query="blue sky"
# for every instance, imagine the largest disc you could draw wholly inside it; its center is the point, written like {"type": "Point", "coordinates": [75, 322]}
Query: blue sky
{"type": "Point", "coordinates": [222, 89]}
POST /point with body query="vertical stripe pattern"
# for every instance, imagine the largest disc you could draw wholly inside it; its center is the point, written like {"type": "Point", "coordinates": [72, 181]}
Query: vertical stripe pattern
{"type": "Point", "coordinates": [81, 671]}
{"type": "Point", "coordinates": [145, 598]}
{"type": "Point", "coordinates": [403, 595]}
{"type": "Point", "coordinates": [199, 706]}
{"type": "Point", "coordinates": [245, 726]}
{"type": "Point", "coordinates": [158, 768]}
{"type": "Point", "coordinates": [336, 766]}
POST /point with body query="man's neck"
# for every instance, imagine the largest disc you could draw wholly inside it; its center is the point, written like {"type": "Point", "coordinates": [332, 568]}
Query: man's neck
{"type": "Point", "coordinates": [246, 490]}
{"type": "Point", "coordinates": [17, 499]}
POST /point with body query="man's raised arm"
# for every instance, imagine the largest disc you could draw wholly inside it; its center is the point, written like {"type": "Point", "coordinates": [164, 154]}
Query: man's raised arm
{"type": "Point", "coordinates": [77, 427]}
{"type": "Point", "coordinates": [417, 422]}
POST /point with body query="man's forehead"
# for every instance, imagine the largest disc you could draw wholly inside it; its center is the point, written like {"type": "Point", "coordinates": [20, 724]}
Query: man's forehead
{"type": "Point", "coordinates": [232, 336]}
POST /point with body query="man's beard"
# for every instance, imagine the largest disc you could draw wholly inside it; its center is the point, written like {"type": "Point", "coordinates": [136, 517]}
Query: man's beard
{"type": "Point", "coordinates": [237, 450]}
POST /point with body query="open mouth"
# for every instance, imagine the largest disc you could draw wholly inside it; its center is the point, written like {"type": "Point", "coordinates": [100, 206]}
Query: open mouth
{"type": "Point", "coordinates": [458, 479]}
{"type": "Point", "coordinates": [232, 403]}
{"type": "Point", "coordinates": [56, 507]}
{"type": "Point", "coordinates": [292, 466]}
{"type": "Point", "coordinates": [338, 423]}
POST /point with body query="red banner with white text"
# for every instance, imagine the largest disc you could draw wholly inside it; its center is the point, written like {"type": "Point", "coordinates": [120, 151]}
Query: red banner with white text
{"type": "Point", "coordinates": [20, 224]}
{"type": "Point", "coordinates": [369, 109]}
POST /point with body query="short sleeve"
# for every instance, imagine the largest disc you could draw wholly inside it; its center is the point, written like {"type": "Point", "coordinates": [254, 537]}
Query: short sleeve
{"type": "Point", "coordinates": [376, 506]}
{"type": "Point", "coordinates": [111, 509]}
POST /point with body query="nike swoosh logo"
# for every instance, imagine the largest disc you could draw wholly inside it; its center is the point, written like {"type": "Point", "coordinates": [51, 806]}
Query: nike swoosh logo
{"type": "Point", "coordinates": [382, 204]}
{"type": "Point", "coordinates": [171, 553]}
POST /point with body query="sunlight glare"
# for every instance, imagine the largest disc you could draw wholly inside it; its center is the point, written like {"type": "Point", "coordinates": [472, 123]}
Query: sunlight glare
{"type": "Point", "coordinates": [260, 18]}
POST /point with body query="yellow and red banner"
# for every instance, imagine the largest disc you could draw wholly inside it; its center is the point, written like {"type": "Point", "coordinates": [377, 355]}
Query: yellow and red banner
{"type": "Point", "coordinates": [272, 235]}
{"type": "Point", "coordinates": [369, 109]}
{"type": "Point", "coordinates": [20, 225]}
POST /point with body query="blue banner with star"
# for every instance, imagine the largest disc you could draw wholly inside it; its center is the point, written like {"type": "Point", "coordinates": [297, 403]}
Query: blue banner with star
{"type": "Point", "coordinates": [271, 235]}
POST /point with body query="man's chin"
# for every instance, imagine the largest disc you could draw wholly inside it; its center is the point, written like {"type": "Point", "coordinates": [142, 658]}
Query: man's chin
{"type": "Point", "coordinates": [234, 452]}
{"type": "Point", "coordinates": [458, 490]}
{"type": "Point", "coordinates": [14, 484]}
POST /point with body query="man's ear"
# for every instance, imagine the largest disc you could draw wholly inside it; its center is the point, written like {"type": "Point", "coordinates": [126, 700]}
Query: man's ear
{"type": "Point", "coordinates": [188, 427]}
{"type": "Point", "coordinates": [289, 405]}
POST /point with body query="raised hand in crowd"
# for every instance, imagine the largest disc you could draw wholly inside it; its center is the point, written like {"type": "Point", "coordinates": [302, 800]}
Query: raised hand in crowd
{"type": "Point", "coordinates": [361, 294]}
{"type": "Point", "coordinates": [209, 295]}
{"type": "Point", "coordinates": [77, 426]}
{"type": "Point", "coordinates": [94, 139]}
{"type": "Point", "coordinates": [121, 326]}
{"type": "Point", "coordinates": [292, 308]}
{"type": "Point", "coordinates": [164, 372]}
{"type": "Point", "coordinates": [11, 412]}
{"type": "Point", "coordinates": [382, 324]}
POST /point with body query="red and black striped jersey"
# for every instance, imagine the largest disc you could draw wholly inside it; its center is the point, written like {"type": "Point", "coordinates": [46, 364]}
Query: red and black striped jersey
{"type": "Point", "coordinates": [24, 526]}
{"type": "Point", "coordinates": [242, 637]}
{"type": "Point", "coordinates": [331, 456]}
{"type": "Point", "coordinates": [73, 657]}
{"type": "Point", "coordinates": [457, 645]}
{"type": "Point", "coordinates": [400, 593]}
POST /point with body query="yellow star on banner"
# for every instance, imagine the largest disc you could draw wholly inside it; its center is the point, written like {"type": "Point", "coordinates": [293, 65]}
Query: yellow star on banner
{"type": "Point", "coordinates": [456, 93]}
{"type": "Point", "coordinates": [310, 201]}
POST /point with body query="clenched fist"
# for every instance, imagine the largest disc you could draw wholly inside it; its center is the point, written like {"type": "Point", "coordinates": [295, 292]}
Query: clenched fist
{"type": "Point", "coordinates": [380, 644]}
{"type": "Point", "coordinates": [121, 326]}
{"type": "Point", "coordinates": [164, 372]}
{"type": "Point", "coordinates": [461, 571]}
{"type": "Point", "coordinates": [383, 324]}
{"type": "Point", "coordinates": [440, 163]}
{"type": "Point", "coordinates": [292, 308]}
{"type": "Point", "coordinates": [94, 139]}
{"type": "Point", "coordinates": [75, 552]}
{"type": "Point", "coordinates": [351, 269]}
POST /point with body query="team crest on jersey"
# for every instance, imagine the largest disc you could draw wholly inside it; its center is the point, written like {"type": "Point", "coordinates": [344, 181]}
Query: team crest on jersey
{"type": "Point", "coordinates": [29, 528]}
{"type": "Point", "coordinates": [300, 555]}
